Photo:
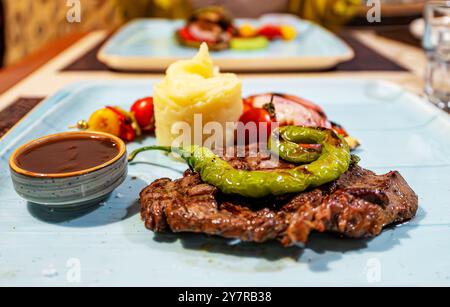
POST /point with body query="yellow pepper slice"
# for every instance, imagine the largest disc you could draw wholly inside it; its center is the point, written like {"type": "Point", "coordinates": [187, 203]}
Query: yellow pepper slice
{"type": "Point", "coordinates": [288, 32]}
{"type": "Point", "coordinates": [247, 30]}
{"type": "Point", "coordinates": [104, 120]}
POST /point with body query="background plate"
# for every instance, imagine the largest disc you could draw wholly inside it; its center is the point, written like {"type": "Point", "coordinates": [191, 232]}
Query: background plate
{"type": "Point", "coordinates": [111, 246]}
{"type": "Point", "coordinates": [149, 44]}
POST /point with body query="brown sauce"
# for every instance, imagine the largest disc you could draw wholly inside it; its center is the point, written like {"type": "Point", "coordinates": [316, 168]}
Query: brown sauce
{"type": "Point", "coordinates": [67, 155]}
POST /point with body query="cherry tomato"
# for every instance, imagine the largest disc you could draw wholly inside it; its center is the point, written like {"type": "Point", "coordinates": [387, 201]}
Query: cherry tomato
{"type": "Point", "coordinates": [199, 34]}
{"type": "Point", "coordinates": [186, 35]}
{"type": "Point", "coordinates": [270, 31]}
{"type": "Point", "coordinates": [258, 115]}
{"type": "Point", "coordinates": [247, 105]}
{"type": "Point", "coordinates": [143, 111]}
{"type": "Point", "coordinates": [192, 33]}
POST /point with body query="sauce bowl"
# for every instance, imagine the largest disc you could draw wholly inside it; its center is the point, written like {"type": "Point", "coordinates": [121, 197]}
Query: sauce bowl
{"type": "Point", "coordinates": [64, 190]}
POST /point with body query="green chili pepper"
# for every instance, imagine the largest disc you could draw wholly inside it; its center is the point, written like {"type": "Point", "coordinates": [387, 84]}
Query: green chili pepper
{"type": "Point", "coordinates": [285, 143]}
{"type": "Point", "coordinates": [326, 166]}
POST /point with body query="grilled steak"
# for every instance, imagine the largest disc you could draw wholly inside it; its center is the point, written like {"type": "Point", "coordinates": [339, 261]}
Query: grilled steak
{"type": "Point", "coordinates": [359, 204]}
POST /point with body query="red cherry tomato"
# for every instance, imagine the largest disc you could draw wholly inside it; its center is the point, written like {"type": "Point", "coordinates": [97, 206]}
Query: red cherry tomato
{"type": "Point", "coordinates": [143, 111]}
{"type": "Point", "coordinates": [197, 33]}
{"type": "Point", "coordinates": [258, 115]}
{"type": "Point", "coordinates": [247, 105]}
{"type": "Point", "coordinates": [270, 31]}
{"type": "Point", "coordinates": [186, 35]}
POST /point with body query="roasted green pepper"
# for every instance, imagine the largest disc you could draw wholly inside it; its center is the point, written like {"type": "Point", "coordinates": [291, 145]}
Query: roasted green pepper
{"type": "Point", "coordinates": [332, 161]}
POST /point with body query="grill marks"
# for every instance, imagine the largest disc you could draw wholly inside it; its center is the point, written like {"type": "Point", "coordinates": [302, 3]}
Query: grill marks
{"type": "Point", "coordinates": [359, 204]}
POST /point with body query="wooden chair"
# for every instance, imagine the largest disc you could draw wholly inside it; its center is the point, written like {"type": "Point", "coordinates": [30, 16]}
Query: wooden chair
{"type": "Point", "coordinates": [2, 34]}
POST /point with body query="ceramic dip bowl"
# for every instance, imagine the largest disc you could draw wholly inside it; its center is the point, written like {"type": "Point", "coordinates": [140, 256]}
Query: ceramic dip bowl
{"type": "Point", "coordinates": [84, 168]}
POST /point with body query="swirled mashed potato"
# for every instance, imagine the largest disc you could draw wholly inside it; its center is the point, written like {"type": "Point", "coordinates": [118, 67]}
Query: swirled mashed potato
{"type": "Point", "coordinates": [193, 87]}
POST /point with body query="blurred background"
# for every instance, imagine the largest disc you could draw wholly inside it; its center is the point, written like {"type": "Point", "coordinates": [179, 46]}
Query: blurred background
{"type": "Point", "coordinates": [27, 25]}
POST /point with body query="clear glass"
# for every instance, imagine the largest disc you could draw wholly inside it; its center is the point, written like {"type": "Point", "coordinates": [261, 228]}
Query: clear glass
{"type": "Point", "coordinates": [436, 42]}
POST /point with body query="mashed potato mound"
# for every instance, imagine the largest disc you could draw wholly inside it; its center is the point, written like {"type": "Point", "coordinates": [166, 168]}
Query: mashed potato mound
{"type": "Point", "coordinates": [193, 87]}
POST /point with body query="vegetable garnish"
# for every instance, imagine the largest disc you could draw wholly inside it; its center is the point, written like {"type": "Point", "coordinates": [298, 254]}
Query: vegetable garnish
{"type": "Point", "coordinates": [265, 114]}
{"type": "Point", "coordinates": [249, 43]}
{"type": "Point", "coordinates": [271, 32]}
{"type": "Point", "coordinates": [214, 26]}
{"type": "Point", "coordinates": [143, 111]}
{"type": "Point", "coordinates": [257, 115]}
{"type": "Point", "coordinates": [112, 120]}
{"type": "Point", "coordinates": [293, 110]}
{"type": "Point", "coordinates": [247, 30]}
{"type": "Point", "coordinates": [211, 25]}
{"type": "Point", "coordinates": [324, 166]}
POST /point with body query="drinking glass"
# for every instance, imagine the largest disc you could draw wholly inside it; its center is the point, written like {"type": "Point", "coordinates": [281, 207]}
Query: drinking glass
{"type": "Point", "coordinates": [436, 42]}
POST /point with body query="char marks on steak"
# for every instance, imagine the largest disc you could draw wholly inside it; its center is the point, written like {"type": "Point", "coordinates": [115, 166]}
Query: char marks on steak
{"type": "Point", "coordinates": [359, 204]}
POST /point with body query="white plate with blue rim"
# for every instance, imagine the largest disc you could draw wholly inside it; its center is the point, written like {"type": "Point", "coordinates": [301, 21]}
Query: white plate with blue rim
{"type": "Point", "coordinates": [150, 44]}
{"type": "Point", "coordinates": [109, 245]}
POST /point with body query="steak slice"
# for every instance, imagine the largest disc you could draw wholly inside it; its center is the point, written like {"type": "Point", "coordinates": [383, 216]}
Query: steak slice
{"type": "Point", "coordinates": [359, 204]}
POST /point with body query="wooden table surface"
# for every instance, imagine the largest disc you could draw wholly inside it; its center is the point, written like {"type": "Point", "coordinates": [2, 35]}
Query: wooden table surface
{"type": "Point", "coordinates": [11, 75]}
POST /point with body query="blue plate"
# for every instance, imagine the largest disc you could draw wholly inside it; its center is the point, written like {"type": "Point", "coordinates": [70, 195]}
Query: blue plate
{"type": "Point", "coordinates": [108, 245]}
{"type": "Point", "coordinates": [150, 44]}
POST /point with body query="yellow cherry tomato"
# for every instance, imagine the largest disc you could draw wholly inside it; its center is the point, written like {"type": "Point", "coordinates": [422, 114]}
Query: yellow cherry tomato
{"type": "Point", "coordinates": [247, 30]}
{"type": "Point", "coordinates": [288, 32]}
{"type": "Point", "coordinates": [105, 120]}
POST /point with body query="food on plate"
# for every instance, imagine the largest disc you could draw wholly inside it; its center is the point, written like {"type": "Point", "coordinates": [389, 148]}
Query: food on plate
{"type": "Point", "coordinates": [263, 117]}
{"type": "Point", "coordinates": [268, 31]}
{"type": "Point", "coordinates": [286, 109]}
{"type": "Point", "coordinates": [247, 30]}
{"type": "Point", "coordinates": [302, 176]}
{"type": "Point", "coordinates": [358, 204]}
{"type": "Point", "coordinates": [192, 88]}
{"type": "Point", "coordinates": [249, 43]}
{"type": "Point", "coordinates": [143, 111]}
{"type": "Point", "coordinates": [290, 109]}
{"type": "Point", "coordinates": [315, 185]}
{"type": "Point", "coordinates": [214, 26]}
{"type": "Point", "coordinates": [112, 120]}
{"type": "Point", "coordinates": [274, 109]}
{"type": "Point", "coordinates": [316, 166]}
